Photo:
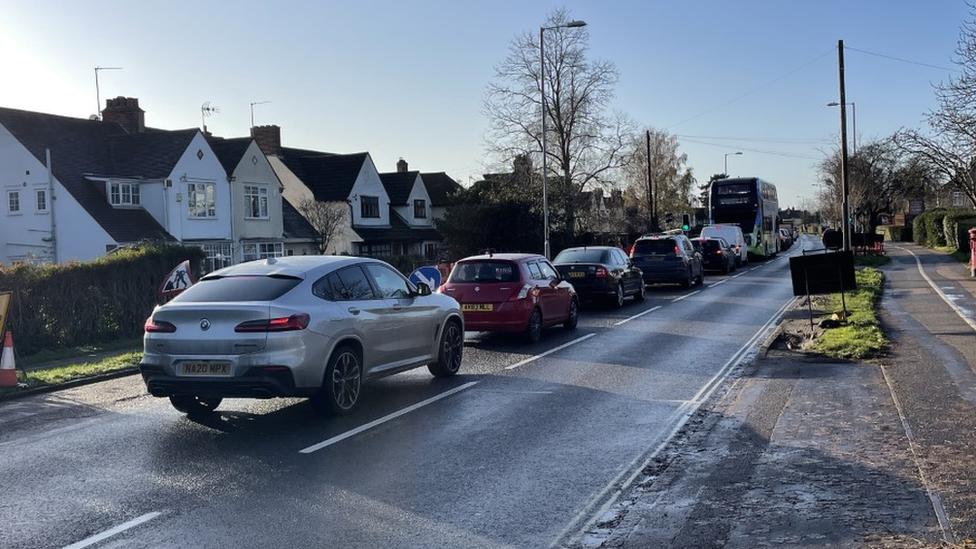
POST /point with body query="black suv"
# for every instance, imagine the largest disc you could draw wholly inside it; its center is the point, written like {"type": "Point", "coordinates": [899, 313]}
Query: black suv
{"type": "Point", "coordinates": [668, 258]}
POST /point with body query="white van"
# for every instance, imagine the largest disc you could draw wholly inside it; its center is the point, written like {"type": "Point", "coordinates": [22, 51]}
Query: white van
{"type": "Point", "coordinates": [733, 235]}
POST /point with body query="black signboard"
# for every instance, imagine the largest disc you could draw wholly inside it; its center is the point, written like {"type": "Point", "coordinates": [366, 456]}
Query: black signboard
{"type": "Point", "coordinates": [823, 273]}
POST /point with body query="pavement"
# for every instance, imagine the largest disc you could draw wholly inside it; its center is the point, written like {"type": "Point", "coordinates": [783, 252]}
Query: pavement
{"type": "Point", "coordinates": [803, 451]}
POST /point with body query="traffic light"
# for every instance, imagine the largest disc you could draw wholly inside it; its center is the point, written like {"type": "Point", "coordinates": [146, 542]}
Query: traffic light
{"type": "Point", "coordinates": [685, 221]}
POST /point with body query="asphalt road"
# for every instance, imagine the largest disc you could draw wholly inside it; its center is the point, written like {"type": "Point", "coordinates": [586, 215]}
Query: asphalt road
{"type": "Point", "coordinates": [525, 448]}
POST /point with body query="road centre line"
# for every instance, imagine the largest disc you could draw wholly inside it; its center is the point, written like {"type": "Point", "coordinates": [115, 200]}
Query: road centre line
{"type": "Point", "coordinates": [384, 419]}
{"type": "Point", "coordinates": [638, 315]}
{"type": "Point", "coordinates": [686, 296]}
{"type": "Point", "coordinates": [723, 281]}
{"type": "Point", "coordinates": [113, 531]}
{"type": "Point", "coordinates": [550, 351]}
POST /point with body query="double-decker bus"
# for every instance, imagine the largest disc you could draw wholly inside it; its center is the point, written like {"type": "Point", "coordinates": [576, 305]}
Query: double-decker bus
{"type": "Point", "coordinates": [750, 203]}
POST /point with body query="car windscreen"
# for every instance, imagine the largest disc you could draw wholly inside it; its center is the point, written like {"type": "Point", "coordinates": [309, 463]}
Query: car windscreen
{"type": "Point", "coordinates": [663, 246]}
{"type": "Point", "coordinates": [711, 245]}
{"type": "Point", "coordinates": [581, 256]}
{"type": "Point", "coordinates": [484, 271]}
{"type": "Point", "coordinates": [238, 288]}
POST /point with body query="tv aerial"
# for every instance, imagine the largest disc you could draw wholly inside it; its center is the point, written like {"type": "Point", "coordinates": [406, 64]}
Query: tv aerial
{"type": "Point", "coordinates": [206, 110]}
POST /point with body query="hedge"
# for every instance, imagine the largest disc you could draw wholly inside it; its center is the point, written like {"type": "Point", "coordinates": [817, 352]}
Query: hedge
{"type": "Point", "coordinates": [86, 303]}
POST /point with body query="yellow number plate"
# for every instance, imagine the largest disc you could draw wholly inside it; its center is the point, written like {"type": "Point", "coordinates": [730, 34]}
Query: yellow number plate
{"type": "Point", "coordinates": [577, 274]}
{"type": "Point", "coordinates": [205, 368]}
{"type": "Point", "coordinates": [476, 307]}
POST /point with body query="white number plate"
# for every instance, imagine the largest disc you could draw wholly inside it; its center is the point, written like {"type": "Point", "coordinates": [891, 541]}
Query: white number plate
{"type": "Point", "coordinates": [205, 368]}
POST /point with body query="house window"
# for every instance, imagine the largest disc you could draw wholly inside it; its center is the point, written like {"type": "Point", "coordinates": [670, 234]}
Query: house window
{"type": "Point", "coordinates": [41, 197]}
{"type": "Point", "coordinates": [256, 202]}
{"type": "Point", "coordinates": [123, 193]}
{"type": "Point", "coordinates": [218, 256]}
{"type": "Point", "coordinates": [958, 200]}
{"type": "Point", "coordinates": [200, 199]}
{"type": "Point", "coordinates": [263, 250]}
{"type": "Point", "coordinates": [376, 250]}
{"type": "Point", "coordinates": [13, 202]}
{"type": "Point", "coordinates": [420, 209]}
{"type": "Point", "coordinates": [371, 206]}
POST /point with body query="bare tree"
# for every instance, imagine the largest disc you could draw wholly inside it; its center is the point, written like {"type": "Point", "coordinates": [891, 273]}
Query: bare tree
{"type": "Point", "coordinates": [327, 218]}
{"type": "Point", "coordinates": [584, 142]}
{"type": "Point", "coordinates": [951, 148]}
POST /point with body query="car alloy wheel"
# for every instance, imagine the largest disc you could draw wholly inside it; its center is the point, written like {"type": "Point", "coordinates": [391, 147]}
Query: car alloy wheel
{"type": "Point", "coordinates": [342, 384]}
{"type": "Point", "coordinates": [534, 330]}
{"type": "Point", "coordinates": [451, 350]}
{"type": "Point", "coordinates": [573, 319]}
{"type": "Point", "coordinates": [618, 298]}
{"type": "Point", "coordinates": [639, 296]}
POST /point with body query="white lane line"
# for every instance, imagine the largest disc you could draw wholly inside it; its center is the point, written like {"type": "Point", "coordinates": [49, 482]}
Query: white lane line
{"type": "Point", "coordinates": [723, 281]}
{"type": "Point", "coordinates": [686, 296]}
{"type": "Point", "coordinates": [550, 351]}
{"type": "Point", "coordinates": [117, 530]}
{"type": "Point", "coordinates": [959, 311]}
{"type": "Point", "coordinates": [638, 315]}
{"type": "Point", "coordinates": [384, 419]}
{"type": "Point", "coordinates": [681, 415]}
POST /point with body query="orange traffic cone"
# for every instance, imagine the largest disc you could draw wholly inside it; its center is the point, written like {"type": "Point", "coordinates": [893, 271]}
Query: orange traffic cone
{"type": "Point", "coordinates": [8, 372]}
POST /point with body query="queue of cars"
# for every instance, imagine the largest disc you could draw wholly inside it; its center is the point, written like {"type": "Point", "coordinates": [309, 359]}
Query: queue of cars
{"type": "Point", "coordinates": [322, 326]}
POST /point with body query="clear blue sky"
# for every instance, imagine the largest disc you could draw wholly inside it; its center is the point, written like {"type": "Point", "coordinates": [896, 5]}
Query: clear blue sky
{"type": "Point", "coordinates": [407, 79]}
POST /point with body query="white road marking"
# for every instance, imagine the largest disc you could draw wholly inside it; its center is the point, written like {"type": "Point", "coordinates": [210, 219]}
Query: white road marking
{"type": "Point", "coordinates": [550, 351]}
{"type": "Point", "coordinates": [723, 281]}
{"type": "Point", "coordinates": [638, 315]}
{"type": "Point", "coordinates": [959, 310]}
{"type": "Point", "coordinates": [384, 419]}
{"type": "Point", "coordinates": [686, 296]}
{"type": "Point", "coordinates": [117, 530]}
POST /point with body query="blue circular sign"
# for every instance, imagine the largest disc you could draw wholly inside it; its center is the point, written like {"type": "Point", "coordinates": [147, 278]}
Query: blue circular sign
{"type": "Point", "coordinates": [430, 276]}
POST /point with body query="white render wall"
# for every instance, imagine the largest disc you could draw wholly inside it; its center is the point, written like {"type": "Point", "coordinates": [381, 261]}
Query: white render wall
{"type": "Point", "coordinates": [190, 169]}
{"type": "Point", "coordinates": [417, 192]}
{"type": "Point", "coordinates": [78, 236]}
{"type": "Point", "coordinates": [254, 169]}
{"type": "Point", "coordinates": [368, 183]}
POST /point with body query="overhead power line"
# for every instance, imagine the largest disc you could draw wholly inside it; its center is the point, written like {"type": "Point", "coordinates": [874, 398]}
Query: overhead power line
{"type": "Point", "coordinates": [902, 60]}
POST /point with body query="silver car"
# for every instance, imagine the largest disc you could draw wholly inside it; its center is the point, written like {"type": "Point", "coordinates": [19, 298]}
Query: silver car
{"type": "Point", "coordinates": [309, 326]}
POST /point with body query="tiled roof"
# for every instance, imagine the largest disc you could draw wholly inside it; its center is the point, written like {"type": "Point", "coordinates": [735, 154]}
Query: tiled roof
{"type": "Point", "coordinates": [398, 231]}
{"type": "Point", "coordinates": [229, 151]}
{"type": "Point", "coordinates": [330, 177]}
{"type": "Point", "coordinates": [151, 155]}
{"type": "Point", "coordinates": [398, 185]}
{"type": "Point", "coordinates": [296, 226]}
{"type": "Point", "coordinates": [441, 187]}
{"type": "Point", "coordinates": [79, 147]}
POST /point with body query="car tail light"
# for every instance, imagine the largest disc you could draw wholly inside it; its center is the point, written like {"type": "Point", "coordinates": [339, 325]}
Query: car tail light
{"type": "Point", "coordinates": [601, 272]}
{"type": "Point", "coordinates": [281, 324]}
{"type": "Point", "coordinates": [719, 252]}
{"type": "Point", "coordinates": [677, 251]}
{"type": "Point", "coordinates": [522, 293]}
{"type": "Point", "coordinates": [159, 326]}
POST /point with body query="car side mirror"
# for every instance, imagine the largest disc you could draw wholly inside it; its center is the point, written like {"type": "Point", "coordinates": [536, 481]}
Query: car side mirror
{"type": "Point", "coordinates": [422, 289]}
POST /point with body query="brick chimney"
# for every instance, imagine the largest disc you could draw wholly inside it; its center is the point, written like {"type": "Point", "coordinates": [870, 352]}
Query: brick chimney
{"type": "Point", "coordinates": [401, 166]}
{"type": "Point", "coordinates": [125, 112]}
{"type": "Point", "coordinates": [268, 138]}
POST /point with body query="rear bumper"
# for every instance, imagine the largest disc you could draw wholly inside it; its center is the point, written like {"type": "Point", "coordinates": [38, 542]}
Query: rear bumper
{"type": "Point", "coordinates": [671, 274]}
{"type": "Point", "coordinates": [510, 316]}
{"type": "Point", "coordinates": [255, 383]}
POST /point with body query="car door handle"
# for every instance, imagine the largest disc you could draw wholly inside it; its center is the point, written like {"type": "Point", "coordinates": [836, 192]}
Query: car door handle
{"type": "Point", "coordinates": [354, 310]}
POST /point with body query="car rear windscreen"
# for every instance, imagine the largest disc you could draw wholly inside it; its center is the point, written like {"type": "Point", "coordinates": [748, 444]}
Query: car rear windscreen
{"type": "Point", "coordinates": [238, 288]}
{"type": "Point", "coordinates": [484, 271]}
{"type": "Point", "coordinates": [664, 246]}
{"type": "Point", "coordinates": [581, 256]}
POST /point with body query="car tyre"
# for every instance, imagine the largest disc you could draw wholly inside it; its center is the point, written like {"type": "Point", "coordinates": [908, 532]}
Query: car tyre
{"type": "Point", "coordinates": [450, 352]}
{"type": "Point", "coordinates": [191, 404]}
{"type": "Point", "coordinates": [639, 296]}
{"type": "Point", "coordinates": [533, 332]}
{"type": "Point", "coordinates": [618, 296]}
{"type": "Point", "coordinates": [573, 319]}
{"type": "Point", "coordinates": [342, 384]}
{"type": "Point", "coordinates": [687, 282]}
{"type": "Point", "coordinates": [701, 278]}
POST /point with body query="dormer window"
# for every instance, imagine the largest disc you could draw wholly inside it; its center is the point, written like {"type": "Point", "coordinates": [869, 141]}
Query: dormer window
{"type": "Point", "coordinates": [370, 206]}
{"type": "Point", "coordinates": [420, 209]}
{"type": "Point", "coordinates": [123, 193]}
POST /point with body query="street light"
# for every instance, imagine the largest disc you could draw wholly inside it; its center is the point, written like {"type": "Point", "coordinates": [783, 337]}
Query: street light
{"type": "Point", "coordinates": [542, 89]}
{"type": "Point", "coordinates": [737, 153]}
{"type": "Point", "coordinates": [853, 123]}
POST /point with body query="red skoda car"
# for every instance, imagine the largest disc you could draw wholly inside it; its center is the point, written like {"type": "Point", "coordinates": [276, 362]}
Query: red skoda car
{"type": "Point", "coordinates": [512, 293]}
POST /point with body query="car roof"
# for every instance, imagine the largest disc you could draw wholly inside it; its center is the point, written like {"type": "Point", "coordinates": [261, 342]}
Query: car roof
{"type": "Point", "coordinates": [502, 256]}
{"type": "Point", "coordinates": [296, 266]}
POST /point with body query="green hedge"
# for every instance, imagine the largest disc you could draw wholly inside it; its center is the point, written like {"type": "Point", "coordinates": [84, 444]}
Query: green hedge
{"type": "Point", "coordinates": [76, 304]}
{"type": "Point", "coordinates": [894, 233]}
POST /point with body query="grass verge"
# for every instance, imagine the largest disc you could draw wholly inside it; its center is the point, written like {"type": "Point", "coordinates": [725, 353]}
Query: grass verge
{"type": "Point", "coordinates": [72, 370]}
{"type": "Point", "coordinates": [860, 335]}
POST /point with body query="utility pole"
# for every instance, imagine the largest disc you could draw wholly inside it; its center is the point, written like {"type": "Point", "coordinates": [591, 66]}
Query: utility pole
{"type": "Point", "coordinates": [845, 182]}
{"type": "Point", "coordinates": [651, 199]}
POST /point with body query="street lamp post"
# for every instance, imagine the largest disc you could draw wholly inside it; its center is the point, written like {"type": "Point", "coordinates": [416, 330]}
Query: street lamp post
{"type": "Point", "coordinates": [853, 123]}
{"type": "Point", "coordinates": [542, 90]}
{"type": "Point", "coordinates": [737, 153]}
